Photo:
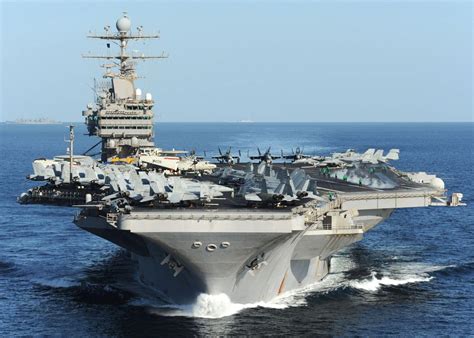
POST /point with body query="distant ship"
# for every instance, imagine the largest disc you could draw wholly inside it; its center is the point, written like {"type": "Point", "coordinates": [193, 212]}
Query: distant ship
{"type": "Point", "coordinates": [34, 121]}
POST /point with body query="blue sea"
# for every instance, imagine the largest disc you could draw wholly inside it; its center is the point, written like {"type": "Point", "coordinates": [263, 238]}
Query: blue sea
{"type": "Point", "coordinates": [412, 275]}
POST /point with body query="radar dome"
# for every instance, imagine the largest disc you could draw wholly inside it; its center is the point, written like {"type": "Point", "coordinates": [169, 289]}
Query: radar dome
{"type": "Point", "coordinates": [437, 183]}
{"type": "Point", "coordinates": [123, 24]}
{"type": "Point", "coordinates": [138, 93]}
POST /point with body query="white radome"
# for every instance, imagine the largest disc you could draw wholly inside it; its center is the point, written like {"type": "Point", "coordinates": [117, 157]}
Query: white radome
{"type": "Point", "coordinates": [138, 93]}
{"type": "Point", "coordinates": [437, 183]}
{"type": "Point", "coordinates": [123, 24]}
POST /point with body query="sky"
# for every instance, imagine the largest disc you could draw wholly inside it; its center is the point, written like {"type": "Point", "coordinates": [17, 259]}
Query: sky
{"type": "Point", "coordinates": [265, 61]}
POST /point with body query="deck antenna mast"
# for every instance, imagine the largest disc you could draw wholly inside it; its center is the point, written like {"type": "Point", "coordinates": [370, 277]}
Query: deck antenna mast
{"type": "Point", "coordinates": [71, 151]}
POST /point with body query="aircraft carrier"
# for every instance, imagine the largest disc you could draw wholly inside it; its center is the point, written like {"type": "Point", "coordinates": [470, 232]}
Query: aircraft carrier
{"type": "Point", "coordinates": [250, 227]}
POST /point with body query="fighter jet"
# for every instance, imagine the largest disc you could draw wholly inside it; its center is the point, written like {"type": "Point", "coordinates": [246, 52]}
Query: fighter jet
{"type": "Point", "coordinates": [266, 157]}
{"type": "Point", "coordinates": [276, 187]}
{"type": "Point", "coordinates": [348, 158]}
{"type": "Point", "coordinates": [370, 156]}
{"type": "Point", "coordinates": [295, 155]}
{"type": "Point", "coordinates": [141, 187]}
{"type": "Point", "coordinates": [227, 157]}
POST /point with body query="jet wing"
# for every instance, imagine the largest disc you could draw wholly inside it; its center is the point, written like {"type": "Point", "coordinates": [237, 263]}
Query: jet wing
{"type": "Point", "coordinates": [177, 197]}
{"type": "Point", "coordinates": [252, 198]}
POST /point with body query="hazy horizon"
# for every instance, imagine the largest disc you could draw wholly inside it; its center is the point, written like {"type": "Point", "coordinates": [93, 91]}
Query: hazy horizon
{"type": "Point", "coordinates": [353, 61]}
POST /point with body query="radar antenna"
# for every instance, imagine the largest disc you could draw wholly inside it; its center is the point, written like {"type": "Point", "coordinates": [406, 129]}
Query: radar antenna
{"type": "Point", "coordinates": [71, 152]}
{"type": "Point", "coordinates": [121, 38]}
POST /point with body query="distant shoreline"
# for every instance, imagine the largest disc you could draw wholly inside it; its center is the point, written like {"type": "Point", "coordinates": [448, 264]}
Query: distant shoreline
{"type": "Point", "coordinates": [253, 122]}
{"type": "Point", "coordinates": [41, 121]}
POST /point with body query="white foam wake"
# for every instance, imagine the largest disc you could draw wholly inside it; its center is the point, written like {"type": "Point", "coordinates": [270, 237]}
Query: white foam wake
{"type": "Point", "coordinates": [374, 284]}
{"type": "Point", "coordinates": [211, 306]}
{"type": "Point", "coordinates": [59, 282]}
{"type": "Point", "coordinates": [418, 268]}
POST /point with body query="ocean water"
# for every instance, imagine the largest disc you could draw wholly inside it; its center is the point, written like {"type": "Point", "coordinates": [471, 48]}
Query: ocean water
{"type": "Point", "coordinates": [411, 275]}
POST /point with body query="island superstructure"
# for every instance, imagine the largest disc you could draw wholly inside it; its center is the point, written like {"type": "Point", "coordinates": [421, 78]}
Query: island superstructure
{"type": "Point", "coordinates": [122, 116]}
{"type": "Point", "coordinates": [250, 229]}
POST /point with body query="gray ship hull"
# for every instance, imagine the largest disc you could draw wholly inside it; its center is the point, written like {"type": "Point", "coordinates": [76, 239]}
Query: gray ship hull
{"type": "Point", "coordinates": [249, 256]}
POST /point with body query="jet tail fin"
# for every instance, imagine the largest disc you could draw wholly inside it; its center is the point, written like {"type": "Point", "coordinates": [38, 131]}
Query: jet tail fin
{"type": "Point", "coordinates": [378, 155]}
{"type": "Point", "coordinates": [393, 154]}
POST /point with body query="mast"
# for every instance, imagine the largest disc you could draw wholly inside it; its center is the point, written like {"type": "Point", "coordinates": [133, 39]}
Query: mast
{"type": "Point", "coordinates": [71, 151]}
{"type": "Point", "coordinates": [122, 37]}
{"type": "Point", "coordinates": [121, 117]}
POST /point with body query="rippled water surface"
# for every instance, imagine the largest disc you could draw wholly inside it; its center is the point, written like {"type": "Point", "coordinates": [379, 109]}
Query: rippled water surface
{"type": "Point", "coordinates": [411, 275]}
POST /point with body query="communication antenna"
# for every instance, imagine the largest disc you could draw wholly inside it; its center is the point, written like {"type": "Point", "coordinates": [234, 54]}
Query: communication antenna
{"type": "Point", "coordinates": [123, 35]}
{"type": "Point", "coordinates": [71, 151]}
